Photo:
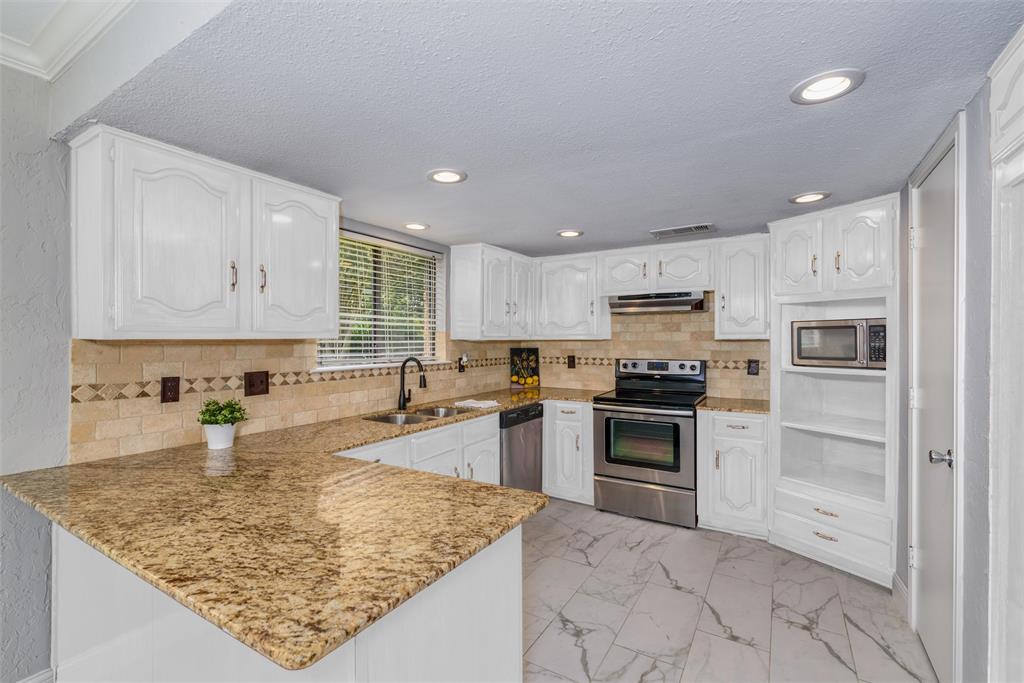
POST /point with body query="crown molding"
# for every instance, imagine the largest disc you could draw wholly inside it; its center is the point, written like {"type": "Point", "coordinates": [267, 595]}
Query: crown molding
{"type": "Point", "coordinates": [70, 30]}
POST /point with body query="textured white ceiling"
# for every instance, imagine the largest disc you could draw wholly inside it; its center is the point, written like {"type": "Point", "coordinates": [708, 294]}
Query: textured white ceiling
{"type": "Point", "coordinates": [613, 117]}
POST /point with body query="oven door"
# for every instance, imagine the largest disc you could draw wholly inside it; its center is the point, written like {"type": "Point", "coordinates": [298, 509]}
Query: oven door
{"type": "Point", "coordinates": [829, 343]}
{"type": "Point", "coordinates": [643, 444]}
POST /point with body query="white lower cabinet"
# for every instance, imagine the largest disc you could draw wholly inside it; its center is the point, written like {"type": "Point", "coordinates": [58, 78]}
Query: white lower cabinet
{"type": "Point", "coordinates": [469, 450]}
{"type": "Point", "coordinates": [569, 451]}
{"type": "Point", "coordinates": [732, 472]}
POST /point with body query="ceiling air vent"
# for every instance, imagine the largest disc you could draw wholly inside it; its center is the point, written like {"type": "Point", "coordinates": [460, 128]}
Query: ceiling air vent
{"type": "Point", "coordinates": [683, 231]}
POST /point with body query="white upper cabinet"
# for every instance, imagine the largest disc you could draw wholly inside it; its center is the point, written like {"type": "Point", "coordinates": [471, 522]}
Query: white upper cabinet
{"type": "Point", "coordinates": [796, 257]}
{"type": "Point", "coordinates": [1006, 102]}
{"type": "Point", "coordinates": [625, 272]}
{"type": "Point", "coordinates": [177, 231]}
{"type": "Point", "coordinates": [167, 244]}
{"type": "Point", "coordinates": [497, 298]}
{"type": "Point", "coordinates": [687, 268]}
{"type": "Point", "coordinates": [522, 297]}
{"type": "Point", "coordinates": [568, 298]}
{"type": "Point", "coordinates": [848, 248]}
{"type": "Point", "coordinates": [742, 294]}
{"type": "Point", "coordinates": [860, 245]}
{"type": "Point", "coordinates": [295, 252]}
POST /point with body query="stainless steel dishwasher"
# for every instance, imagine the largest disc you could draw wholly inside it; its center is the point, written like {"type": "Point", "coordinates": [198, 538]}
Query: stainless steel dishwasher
{"type": "Point", "coordinates": [522, 447]}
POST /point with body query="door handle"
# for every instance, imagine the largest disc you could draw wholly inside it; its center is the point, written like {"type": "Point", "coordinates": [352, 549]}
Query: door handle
{"type": "Point", "coordinates": [826, 537]}
{"type": "Point", "coordinates": [577, 442]}
{"type": "Point", "coordinates": [936, 457]}
{"type": "Point", "coordinates": [508, 308]}
{"type": "Point", "coordinates": [471, 475]}
{"type": "Point", "coordinates": [263, 278]}
{"type": "Point", "coordinates": [660, 268]}
{"type": "Point", "coordinates": [723, 302]}
{"type": "Point", "coordinates": [738, 426]}
{"type": "Point", "coordinates": [718, 459]}
{"type": "Point", "coordinates": [591, 308]}
{"type": "Point", "coordinates": [837, 261]}
{"type": "Point", "coordinates": [814, 265]}
{"type": "Point", "coordinates": [563, 411]}
{"type": "Point", "coordinates": [234, 275]}
{"type": "Point", "coordinates": [827, 513]}
{"type": "Point", "coordinates": [457, 472]}
{"type": "Point", "coordinates": [643, 269]}
{"type": "Point", "coordinates": [515, 310]}
{"type": "Point", "coordinates": [376, 460]}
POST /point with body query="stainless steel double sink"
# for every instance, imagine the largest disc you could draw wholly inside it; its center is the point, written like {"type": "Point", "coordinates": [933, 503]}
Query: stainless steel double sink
{"type": "Point", "coordinates": [419, 416]}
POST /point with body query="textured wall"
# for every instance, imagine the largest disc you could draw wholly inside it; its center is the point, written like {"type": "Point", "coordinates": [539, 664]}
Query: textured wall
{"type": "Point", "coordinates": [34, 333]}
{"type": "Point", "coordinates": [975, 458]}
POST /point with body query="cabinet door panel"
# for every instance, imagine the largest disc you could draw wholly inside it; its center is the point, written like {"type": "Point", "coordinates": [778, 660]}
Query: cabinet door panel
{"type": "Point", "coordinates": [497, 303]}
{"type": "Point", "coordinates": [296, 255]}
{"type": "Point", "coordinates": [568, 472]}
{"type": "Point", "coordinates": [686, 268]}
{"type": "Point", "coordinates": [742, 301]}
{"type": "Point", "coordinates": [483, 461]}
{"type": "Point", "coordinates": [625, 272]}
{"type": "Point", "coordinates": [177, 234]}
{"type": "Point", "coordinates": [860, 247]}
{"type": "Point", "coordinates": [738, 479]}
{"type": "Point", "coordinates": [522, 298]}
{"type": "Point", "coordinates": [796, 257]}
{"type": "Point", "coordinates": [447, 463]}
{"type": "Point", "coordinates": [568, 298]}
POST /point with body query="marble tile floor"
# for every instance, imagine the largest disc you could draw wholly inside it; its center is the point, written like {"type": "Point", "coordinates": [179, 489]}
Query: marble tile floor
{"type": "Point", "coordinates": [611, 598]}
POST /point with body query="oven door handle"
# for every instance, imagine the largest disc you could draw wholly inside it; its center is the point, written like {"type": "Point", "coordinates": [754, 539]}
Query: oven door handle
{"type": "Point", "coordinates": [607, 408]}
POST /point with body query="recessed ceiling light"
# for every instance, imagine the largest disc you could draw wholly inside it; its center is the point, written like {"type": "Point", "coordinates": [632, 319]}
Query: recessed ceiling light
{"type": "Point", "coordinates": [809, 197]}
{"type": "Point", "coordinates": [447, 176]}
{"type": "Point", "coordinates": [570, 233]}
{"type": "Point", "coordinates": [827, 86]}
{"type": "Point", "coordinates": [416, 226]}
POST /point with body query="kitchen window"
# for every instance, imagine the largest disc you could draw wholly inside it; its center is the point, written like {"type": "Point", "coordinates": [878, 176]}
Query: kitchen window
{"type": "Point", "coordinates": [390, 300]}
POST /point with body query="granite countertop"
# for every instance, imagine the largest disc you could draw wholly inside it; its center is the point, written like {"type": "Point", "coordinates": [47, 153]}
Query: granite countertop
{"type": "Point", "coordinates": [734, 405]}
{"type": "Point", "coordinates": [283, 545]}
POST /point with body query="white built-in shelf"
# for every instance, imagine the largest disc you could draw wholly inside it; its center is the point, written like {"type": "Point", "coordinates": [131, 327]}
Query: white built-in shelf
{"type": "Point", "coordinates": [836, 425]}
{"type": "Point", "coordinates": [851, 372]}
{"type": "Point", "coordinates": [845, 480]}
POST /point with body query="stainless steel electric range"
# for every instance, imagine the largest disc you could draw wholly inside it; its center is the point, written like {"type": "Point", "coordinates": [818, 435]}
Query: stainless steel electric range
{"type": "Point", "coordinates": [645, 440]}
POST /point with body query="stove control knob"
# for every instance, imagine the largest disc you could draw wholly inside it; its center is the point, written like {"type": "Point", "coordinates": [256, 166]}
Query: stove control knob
{"type": "Point", "coordinates": [682, 366]}
{"type": "Point", "coordinates": [625, 365]}
{"type": "Point", "coordinates": [634, 364]}
{"type": "Point", "coordinates": [693, 368]}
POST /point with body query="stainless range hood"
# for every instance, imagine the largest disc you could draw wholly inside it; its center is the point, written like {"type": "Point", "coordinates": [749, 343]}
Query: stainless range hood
{"type": "Point", "coordinates": [657, 303]}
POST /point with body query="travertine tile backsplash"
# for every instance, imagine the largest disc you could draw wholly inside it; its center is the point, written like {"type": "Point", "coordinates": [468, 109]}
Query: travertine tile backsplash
{"type": "Point", "coordinates": [116, 408]}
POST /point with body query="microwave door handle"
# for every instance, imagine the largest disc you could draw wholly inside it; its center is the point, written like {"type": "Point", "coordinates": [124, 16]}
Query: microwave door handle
{"type": "Point", "coordinates": [862, 344]}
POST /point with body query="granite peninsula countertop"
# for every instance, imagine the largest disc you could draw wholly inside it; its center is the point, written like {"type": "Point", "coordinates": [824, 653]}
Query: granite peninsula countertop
{"type": "Point", "coordinates": [283, 545]}
{"type": "Point", "coordinates": [734, 405]}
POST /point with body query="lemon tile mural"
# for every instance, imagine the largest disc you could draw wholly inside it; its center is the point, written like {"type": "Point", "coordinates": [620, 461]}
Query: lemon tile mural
{"type": "Point", "coordinates": [524, 368]}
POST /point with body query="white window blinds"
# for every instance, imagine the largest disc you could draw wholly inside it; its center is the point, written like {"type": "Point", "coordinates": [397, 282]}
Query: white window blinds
{"type": "Point", "coordinates": [388, 305]}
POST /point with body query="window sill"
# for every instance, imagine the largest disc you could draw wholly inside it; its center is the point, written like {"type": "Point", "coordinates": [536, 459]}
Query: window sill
{"type": "Point", "coordinates": [369, 366]}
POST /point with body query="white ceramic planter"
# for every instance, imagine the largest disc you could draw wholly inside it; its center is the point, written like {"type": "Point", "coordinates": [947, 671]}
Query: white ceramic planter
{"type": "Point", "coordinates": [219, 436]}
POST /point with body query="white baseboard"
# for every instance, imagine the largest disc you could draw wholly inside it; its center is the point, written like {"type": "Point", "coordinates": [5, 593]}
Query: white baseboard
{"type": "Point", "coordinates": [44, 676]}
{"type": "Point", "coordinates": [901, 595]}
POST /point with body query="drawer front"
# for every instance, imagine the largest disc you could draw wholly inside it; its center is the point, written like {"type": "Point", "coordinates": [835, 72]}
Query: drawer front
{"type": "Point", "coordinates": [738, 427]}
{"type": "Point", "coordinates": [479, 429]}
{"type": "Point", "coordinates": [435, 442]}
{"type": "Point", "coordinates": [566, 411]}
{"type": "Point", "coordinates": [835, 515]}
{"type": "Point", "coordinates": [832, 540]}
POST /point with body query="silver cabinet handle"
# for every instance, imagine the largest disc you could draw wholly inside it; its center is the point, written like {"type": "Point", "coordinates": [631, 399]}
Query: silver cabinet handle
{"type": "Point", "coordinates": [457, 472]}
{"type": "Point", "coordinates": [935, 457]}
{"type": "Point", "coordinates": [508, 308]}
{"type": "Point", "coordinates": [738, 426]}
{"type": "Point", "coordinates": [827, 513]}
{"type": "Point", "coordinates": [515, 310]}
{"type": "Point", "coordinates": [718, 459]}
{"type": "Point", "coordinates": [644, 271]}
{"type": "Point", "coordinates": [591, 307]}
{"type": "Point", "coordinates": [376, 459]}
{"type": "Point", "coordinates": [837, 261]}
{"type": "Point", "coordinates": [660, 269]}
{"type": "Point", "coordinates": [234, 275]}
{"type": "Point", "coordinates": [814, 265]}
{"type": "Point", "coordinates": [577, 442]}
{"type": "Point", "coordinates": [263, 278]}
{"type": "Point", "coordinates": [563, 411]}
{"type": "Point", "coordinates": [826, 537]}
{"type": "Point", "coordinates": [723, 302]}
{"type": "Point", "coordinates": [471, 475]}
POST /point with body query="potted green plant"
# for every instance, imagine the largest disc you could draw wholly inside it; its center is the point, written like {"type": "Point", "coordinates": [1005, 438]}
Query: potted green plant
{"type": "Point", "coordinates": [219, 419]}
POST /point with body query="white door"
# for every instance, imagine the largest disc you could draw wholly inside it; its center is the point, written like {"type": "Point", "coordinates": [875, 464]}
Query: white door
{"type": "Point", "coordinates": [568, 298]}
{"type": "Point", "coordinates": [741, 310]}
{"type": "Point", "coordinates": [179, 249]}
{"type": "Point", "coordinates": [522, 298]}
{"type": "Point", "coordinates": [497, 298]}
{"type": "Point", "coordinates": [625, 272]}
{"type": "Point", "coordinates": [483, 461]}
{"type": "Point", "coordinates": [737, 480]}
{"type": "Point", "coordinates": [796, 257]}
{"type": "Point", "coordinates": [860, 245]}
{"type": "Point", "coordinates": [934, 372]}
{"type": "Point", "coordinates": [295, 271]}
{"type": "Point", "coordinates": [687, 268]}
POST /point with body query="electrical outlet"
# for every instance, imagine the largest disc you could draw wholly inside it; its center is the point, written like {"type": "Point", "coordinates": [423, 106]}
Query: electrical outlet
{"type": "Point", "coordinates": [571, 360]}
{"type": "Point", "coordinates": [170, 388]}
{"type": "Point", "coordinates": [257, 383]}
{"type": "Point", "coordinates": [753, 367]}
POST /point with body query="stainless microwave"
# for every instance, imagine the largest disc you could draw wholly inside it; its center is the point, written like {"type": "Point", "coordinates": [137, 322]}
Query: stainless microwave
{"type": "Point", "coordinates": [839, 343]}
